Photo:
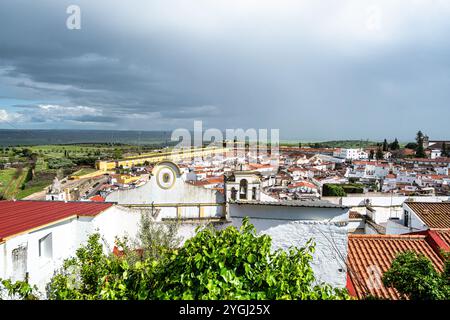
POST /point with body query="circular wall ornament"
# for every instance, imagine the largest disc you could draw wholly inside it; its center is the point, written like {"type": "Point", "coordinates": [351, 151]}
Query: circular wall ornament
{"type": "Point", "coordinates": [166, 177]}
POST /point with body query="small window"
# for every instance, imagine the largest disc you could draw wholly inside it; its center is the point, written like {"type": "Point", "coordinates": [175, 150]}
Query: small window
{"type": "Point", "coordinates": [19, 263]}
{"type": "Point", "coordinates": [406, 218]}
{"type": "Point", "coordinates": [46, 247]}
{"type": "Point", "coordinates": [233, 193]}
{"type": "Point", "coordinates": [243, 185]}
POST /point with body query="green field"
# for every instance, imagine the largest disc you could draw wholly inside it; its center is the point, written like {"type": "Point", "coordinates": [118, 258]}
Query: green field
{"type": "Point", "coordinates": [11, 181]}
{"type": "Point", "coordinates": [6, 176]}
{"type": "Point", "coordinates": [332, 144]}
{"type": "Point", "coordinates": [59, 151]}
{"type": "Point", "coordinates": [33, 188]}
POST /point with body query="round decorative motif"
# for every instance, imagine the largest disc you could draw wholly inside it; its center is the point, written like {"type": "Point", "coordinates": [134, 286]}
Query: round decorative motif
{"type": "Point", "coordinates": [166, 177]}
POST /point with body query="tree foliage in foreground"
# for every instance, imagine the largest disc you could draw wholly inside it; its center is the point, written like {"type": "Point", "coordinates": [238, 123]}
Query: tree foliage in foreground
{"type": "Point", "coordinates": [214, 264]}
{"type": "Point", "coordinates": [17, 290]}
{"type": "Point", "coordinates": [238, 264]}
{"type": "Point", "coordinates": [414, 277]}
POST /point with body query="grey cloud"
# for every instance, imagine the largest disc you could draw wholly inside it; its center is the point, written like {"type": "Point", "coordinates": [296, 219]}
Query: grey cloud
{"type": "Point", "coordinates": [309, 68]}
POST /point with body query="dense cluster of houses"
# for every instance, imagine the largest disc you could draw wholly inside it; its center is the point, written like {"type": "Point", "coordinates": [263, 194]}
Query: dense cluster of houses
{"type": "Point", "coordinates": [299, 173]}
{"type": "Point", "coordinates": [356, 237]}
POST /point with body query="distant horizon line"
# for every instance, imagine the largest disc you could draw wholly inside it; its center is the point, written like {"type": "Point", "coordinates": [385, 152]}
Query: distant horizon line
{"type": "Point", "coordinates": [291, 139]}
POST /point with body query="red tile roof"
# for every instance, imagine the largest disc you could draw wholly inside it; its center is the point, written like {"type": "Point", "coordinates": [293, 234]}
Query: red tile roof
{"type": "Point", "coordinates": [97, 198]}
{"type": "Point", "coordinates": [303, 184]}
{"type": "Point", "coordinates": [259, 166]}
{"type": "Point", "coordinates": [439, 239]}
{"type": "Point", "coordinates": [21, 216]}
{"type": "Point", "coordinates": [369, 256]}
{"type": "Point", "coordinates": [355, 215]}
{"type": "Point", "coordinates": [445, 237]}
{"type": "Point", "coordinates": [208, 181]}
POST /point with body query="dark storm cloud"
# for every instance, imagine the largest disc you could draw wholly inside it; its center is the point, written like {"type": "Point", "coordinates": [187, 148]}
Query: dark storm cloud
{"type": "Point", "coordinates": [315, 70]}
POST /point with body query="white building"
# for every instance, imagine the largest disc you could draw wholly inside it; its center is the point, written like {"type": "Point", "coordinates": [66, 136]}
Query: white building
{"type": "Point", "coordinates": [293, 223]}
{"type": "Point", "coordinates": [435, 153]}
{"type": "Point", "coordinates": [176, 197]}
{"type": "Point", "coordinates": [352, 154]}
{"type": "Point", "coordinates": [36, 236]}
{"type": "Point", "coordinates": [420, 216]}
{"type": "Point", "coordinates": [56, 192]}
{"type": "Point", "coordinates": [243, 185]}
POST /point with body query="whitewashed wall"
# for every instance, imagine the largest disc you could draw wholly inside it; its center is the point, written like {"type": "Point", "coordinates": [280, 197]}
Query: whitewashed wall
{"type": "Point", "coordinates": [40, 269]}
{"type": "Point", "coordinates": [294, 226]}
{"type": "Point", "coordinates": [331, 244]}
{"type": "Point", "coordinates": [355, 224]}
{"type": "Point", "coordinates": [353, 201]}
{"type": "Point", "coordinates": [181, 192]}
{"type": "Point", "coordinates": [383, 214]}
{"type": "Point", "coordinates": [396, 227]}
{"type": "Point", "coordinates": [292, 213]}
{"type": "Point", "coordinates": [67, 236]}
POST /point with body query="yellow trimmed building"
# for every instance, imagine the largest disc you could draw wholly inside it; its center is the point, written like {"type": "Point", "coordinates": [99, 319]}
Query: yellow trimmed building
{"type": "Point", "coordinates": [176, 155]}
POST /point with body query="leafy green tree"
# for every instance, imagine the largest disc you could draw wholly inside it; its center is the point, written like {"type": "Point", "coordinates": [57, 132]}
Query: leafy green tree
{"type": "Point", "coordinates": [379, 155]}
{"type": "Point", "coordinates": [411, 145]}
{"type": "Point", "coordinates": [59, 163]}
{"type": "Point", "coordinates": [80, 277]}
{"type": "Point", "coordinates": [214, 264]}
{"type": "Point", "coordinates": [154, 240]}
{"type": "Point", "coordinates": [419, 136]}
{"type": "Point", "coordinates": [385, 145]}
{"type": "Point", "coordinates": [414, 277]}
{"type": "Point", "coordinates": [18, 290]}
{"type": "Point", "coordinates": [444, 152]}
{"type": "Point", "coordinates": [118, 153]}
{"type": "Point", "coordinates": [371, 154]}
{"type": "Point", "coordinates": [238, 264]}
{"type": "Point", "coordinates": [333, 190]}
{"type": "Point", "coordinates": [395, 145]}
{"type": "Point", "coordinates": [420, 151]}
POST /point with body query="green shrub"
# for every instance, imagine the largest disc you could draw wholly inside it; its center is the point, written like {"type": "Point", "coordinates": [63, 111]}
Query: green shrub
{"type": "Point", "coordinates": [214, 264]}
{"type": "Point", "coordinates": [333, 190]}
{"type": "Point", "coordinates": [59, 163]}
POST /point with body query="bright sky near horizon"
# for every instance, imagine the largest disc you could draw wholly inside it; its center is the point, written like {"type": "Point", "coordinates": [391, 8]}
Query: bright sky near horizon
{"type": "Point", "coordinates": [316, 69]}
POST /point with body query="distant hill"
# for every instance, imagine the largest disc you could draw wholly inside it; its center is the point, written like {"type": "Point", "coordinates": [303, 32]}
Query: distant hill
{"type": "Point", "coordinates": [337, 144]}
{"type": "Point", "coordinates": [51, 137]}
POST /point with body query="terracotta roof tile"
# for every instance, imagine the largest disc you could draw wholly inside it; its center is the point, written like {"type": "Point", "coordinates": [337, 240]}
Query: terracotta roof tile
{"type": "Point", "coordinates": [369, 256]}
{"type": "Point", "coordinates": [444, 235]}
{"type": "Point", "coordinates": [433, 214]}
{"type": "Point", "coordinates": [354, 215]}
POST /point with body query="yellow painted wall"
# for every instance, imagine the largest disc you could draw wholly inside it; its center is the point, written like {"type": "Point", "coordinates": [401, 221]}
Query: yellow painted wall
{"type": "Point", "coordinates": [157, 157]}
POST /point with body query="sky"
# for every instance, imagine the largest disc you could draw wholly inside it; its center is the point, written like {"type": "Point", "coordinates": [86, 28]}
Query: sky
{"type": "Point", "coordinates": [315, 70]}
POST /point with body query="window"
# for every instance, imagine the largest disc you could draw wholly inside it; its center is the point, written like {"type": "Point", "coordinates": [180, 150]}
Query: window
{"type": "Point", "coordinates": [254, 193]}
{"type": "Point", "coordinates": [406, 213]}
{"type": "Point", "coordinates": [46, 247]}
{"type": "Point", "coordinates": [243, 189]}
{"type": "Point", "coordinates": [19, 262]}
{"type": "Point", "coordinates": [233, 193]}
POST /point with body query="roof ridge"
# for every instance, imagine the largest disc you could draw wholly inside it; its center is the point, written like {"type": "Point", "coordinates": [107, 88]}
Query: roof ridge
{"type": "Point", "coordinates": [387, 236]}
{"type": "Point", "coordinates": [428, 202]}
{"type": "Point", "coordinates": [59, 201]}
